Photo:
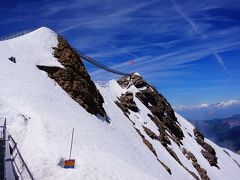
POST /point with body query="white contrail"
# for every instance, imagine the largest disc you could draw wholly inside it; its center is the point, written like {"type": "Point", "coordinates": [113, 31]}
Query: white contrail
{"type": "Point", "coordinates": [185, 17]}
{"type": "Point", "coordinates": [197, 31]}
{"type": "Point", "coordinates": [219, 58]}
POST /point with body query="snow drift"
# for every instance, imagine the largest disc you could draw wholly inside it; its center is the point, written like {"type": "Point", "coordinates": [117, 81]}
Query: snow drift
{"type": "Point", "coordinates": [141, 140]}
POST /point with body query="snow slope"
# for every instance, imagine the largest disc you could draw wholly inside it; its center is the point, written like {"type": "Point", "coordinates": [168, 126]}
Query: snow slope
{"type": "Point", "coordinates": [40, 117]}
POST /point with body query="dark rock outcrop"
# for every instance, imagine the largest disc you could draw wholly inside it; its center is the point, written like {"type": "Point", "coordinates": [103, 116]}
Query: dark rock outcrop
{"type": "Point", "coordinates": [12, 59]}
{"type": "Point", "coordinates": [198, 134]}
{"type": "Point", "coordinates": [150, 147]}
{"type": "Point", "coordinates": [231, 157]}
{"type": "Point", "coordinates": [166, 167]}
{"type": "Point", "coordinates": [74, 79]}
{"type": "Point", "coordinates": [236, 162]}
{"type": "Point", "coordinates": [150, 133]}
{"type": "Point", "coordinates": [201, 171]}
{"type": "Point", "coordinates": [164, 116]}
{"type": "Point", "coordinates": [174, 155]}
{"type": "Point", "coordinates": [192, 173]}
{"type": "Point", "coordinates": [208, 152]}
{"type": "Point", "coordinates": [163, 137]}
{"type": "Point", "coordinates": [211, 159]}
{"type": "Point", "coordinates": [147, 143]}
{"type": "Point", "coordinates": [125, 103]}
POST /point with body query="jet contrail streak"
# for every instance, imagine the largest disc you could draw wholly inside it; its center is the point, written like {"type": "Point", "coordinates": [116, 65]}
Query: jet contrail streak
{"type": "Point", "coordinates": [197, 31]}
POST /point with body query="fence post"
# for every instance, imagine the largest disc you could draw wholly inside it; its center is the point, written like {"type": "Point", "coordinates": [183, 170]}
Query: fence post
{"type": "Point", "coordinates": [8, 168]}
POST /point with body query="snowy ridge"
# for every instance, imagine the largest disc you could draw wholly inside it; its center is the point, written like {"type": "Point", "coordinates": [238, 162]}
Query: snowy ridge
{"type": "Point", "coordinates": [222, 104]}
{"type": "Point", "coordinates": [210, 111]}
{"type": "Point", "coordinates": [40, 116]}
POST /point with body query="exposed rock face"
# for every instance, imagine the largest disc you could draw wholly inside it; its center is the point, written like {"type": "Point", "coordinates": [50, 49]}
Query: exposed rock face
{"type": "Point", "coordinates": [208, 152]}
{"type": "Point", "coordinates": [157, 104]}
{"type": "Point", "coordinates": [201, 171]}
{"type": "Point", "coordinates": [231, 157]}
{"type": "Point", "coordinates": [163, 136]}
{"type": "Point", "coordinates": [126, 102]}
{"type": "Point", "coordinates": [12, 59]}
{"type": "Point", "coordinates": [147, 143]}
{"type": "Point", "coordinates": [174, 155]}
{"type": "Point", "coordinates": [211, 159]}
{"type": "Point", "coordinates": [150, 133]}
{"type": "Point", "coordinates": [162, 115]}
{"type": "Point", "coordinates": [74, 79]}
{"type": "Point", "coordinates": [150, 147]}
{"type": "Point", "coordinates": [198, 134]}
{"type": "Point", "coordinates": [166, 167]}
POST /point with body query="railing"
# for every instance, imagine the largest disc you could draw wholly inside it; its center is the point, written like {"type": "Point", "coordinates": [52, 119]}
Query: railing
{"type": "Point", "coordinates": [14, 35]}
{"type": "Point", "coordinates": [20, 167]}
{"type": "Point", "coordinates": [12, 164]}
{"type": "Point", "coordinates": [2, 150]}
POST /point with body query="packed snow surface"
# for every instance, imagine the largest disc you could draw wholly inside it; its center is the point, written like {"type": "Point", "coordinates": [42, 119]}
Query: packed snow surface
{"type": "Point", "coordinates": [40, 117]}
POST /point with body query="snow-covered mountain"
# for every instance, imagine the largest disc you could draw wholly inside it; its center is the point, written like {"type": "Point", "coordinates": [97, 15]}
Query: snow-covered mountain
{"type": "Point", "coordinates": [210, 111]}
{"type": "Point", "coordinates": [224, 132]}
{"type": "Point", "coordinates": [124, 129]}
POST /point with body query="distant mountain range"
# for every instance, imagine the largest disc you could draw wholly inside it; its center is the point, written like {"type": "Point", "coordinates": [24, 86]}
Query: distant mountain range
{"type": "Point", "coordinates": [225, 132]}
{"type": "Point", "coordinates": [210, 111]}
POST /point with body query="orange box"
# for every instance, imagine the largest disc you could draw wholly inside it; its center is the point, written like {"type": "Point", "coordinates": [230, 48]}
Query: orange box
{"type": "Point", "coordinates": [69, 163]}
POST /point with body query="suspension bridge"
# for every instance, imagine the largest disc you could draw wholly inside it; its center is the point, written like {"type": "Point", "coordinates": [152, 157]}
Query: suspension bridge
{"type": "Point", "coordinates": [96, 63]}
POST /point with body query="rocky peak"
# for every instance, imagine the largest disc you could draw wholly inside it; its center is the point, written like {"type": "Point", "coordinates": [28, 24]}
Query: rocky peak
{"type": "Point", "coordinates": [74, 78]}
{"type": "Point", "coordinates": [163, 113]}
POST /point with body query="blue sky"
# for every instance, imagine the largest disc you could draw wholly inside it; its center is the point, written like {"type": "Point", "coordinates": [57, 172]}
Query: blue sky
{"type": "Point", "coordinates": [189, 50]}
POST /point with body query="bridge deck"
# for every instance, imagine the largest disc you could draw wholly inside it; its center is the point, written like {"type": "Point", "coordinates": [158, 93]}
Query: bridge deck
{"type": "Point", "coordinates": [96, 63]}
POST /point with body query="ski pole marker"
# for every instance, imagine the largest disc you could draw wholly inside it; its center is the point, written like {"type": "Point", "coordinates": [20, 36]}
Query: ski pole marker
{"type": "Point", "coordinates": [70, 163]}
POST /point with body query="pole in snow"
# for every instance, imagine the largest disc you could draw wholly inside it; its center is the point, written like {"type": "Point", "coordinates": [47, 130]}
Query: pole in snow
{"type": "Point", "coordinates": [71, 144]}
{"type": "Point", "coordinates": [70, 163]}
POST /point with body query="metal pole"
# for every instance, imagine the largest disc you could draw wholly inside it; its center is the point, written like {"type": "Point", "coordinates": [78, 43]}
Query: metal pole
{"type": "Point", "coordinates": [5, 129]}
{"type": "Point", "coordinates": [71, 144]}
